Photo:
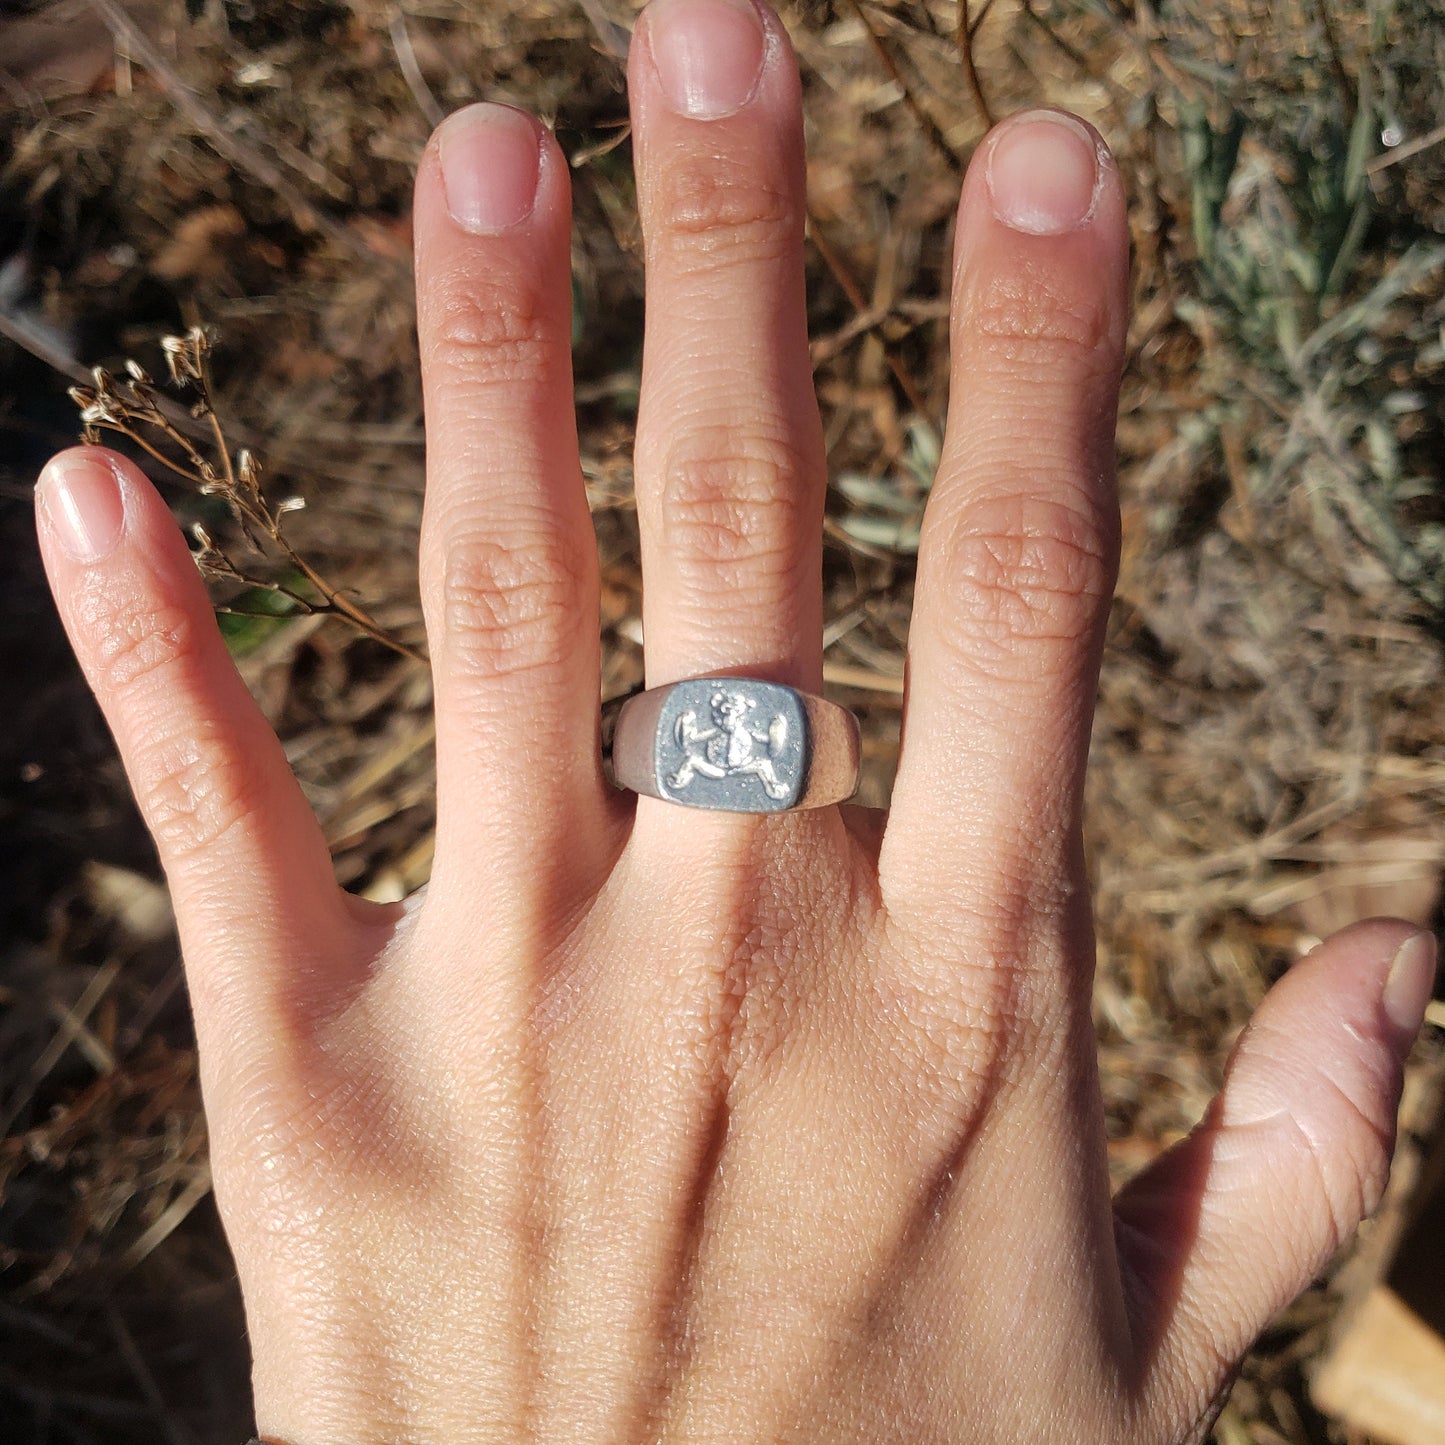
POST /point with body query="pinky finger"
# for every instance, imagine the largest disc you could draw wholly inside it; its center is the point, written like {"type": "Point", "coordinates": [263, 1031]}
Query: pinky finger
{"type": "Point", "coordinates": [1225, 1229]}
{"type": "Point", "coordinates": [250, 875]}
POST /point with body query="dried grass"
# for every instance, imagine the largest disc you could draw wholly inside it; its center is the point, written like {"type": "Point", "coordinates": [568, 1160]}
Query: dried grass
{"type": "Point", "coordinates": [1269, 758]}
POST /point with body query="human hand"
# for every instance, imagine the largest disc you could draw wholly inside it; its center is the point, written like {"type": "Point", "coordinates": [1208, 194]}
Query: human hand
{"type": "Point", "coordinates": [658, 1124]}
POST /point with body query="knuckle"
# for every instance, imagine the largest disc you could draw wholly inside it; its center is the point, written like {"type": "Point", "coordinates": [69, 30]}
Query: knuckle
{"type": "Point", "coordinates": [732, 502]}
{"type": "Point", "coordinates": [979, 977]}
{"type": "Point", "coordinates": [510, 609]}
{"type": "Point", "coordinates": [724, 212]}
{"type": "Point", "coordinates": [955, 1052]}
{"type": "Point", "coordinates": [141, 643]}
{"type": "Point", "coordinates": [1030, 318]}
{"type": "Point", "coordinates": [490, 332]}
{"type": "Point", "coordinates": [193, 790]}
{"type": "Point", "coordinates": [1024, 571]}
{"type": "Point", "coordinates": [296, 1150]}
{"type": "Point", "coordinates": [192, 787]}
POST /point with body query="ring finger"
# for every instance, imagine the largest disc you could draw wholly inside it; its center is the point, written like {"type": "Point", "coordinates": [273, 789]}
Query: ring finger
{"type": "Point", "coordinates": [729, 460]}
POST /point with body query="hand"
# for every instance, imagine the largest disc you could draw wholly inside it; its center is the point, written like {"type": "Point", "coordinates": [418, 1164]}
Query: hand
{"type": "Point", "coordinates": [662, 1125]}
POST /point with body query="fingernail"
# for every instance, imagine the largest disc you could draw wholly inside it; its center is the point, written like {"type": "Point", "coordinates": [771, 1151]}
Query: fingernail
{"type": "Point", "coordinates": [491, 159]}
{"type": "Point", "coordinates": [80, 499]}
{"type": "Point", "coordinates": [708, 53]}
{"type": "Point", "coordinates": [1043, 173]}
{"type": "Point", "coordinates": [1410, 983]}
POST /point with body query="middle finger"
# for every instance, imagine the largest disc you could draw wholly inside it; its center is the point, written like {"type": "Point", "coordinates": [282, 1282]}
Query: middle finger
{"type": "Point", "coordinates": [729, 458]}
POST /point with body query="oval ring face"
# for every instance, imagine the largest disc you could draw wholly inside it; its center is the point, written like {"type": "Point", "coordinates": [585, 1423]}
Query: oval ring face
{"type": "Point", "coordinates": [734, 744]}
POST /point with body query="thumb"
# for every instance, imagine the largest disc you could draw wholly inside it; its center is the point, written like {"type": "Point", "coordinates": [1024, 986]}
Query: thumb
{"type": "Point", "coordinates": [1225, 1229]}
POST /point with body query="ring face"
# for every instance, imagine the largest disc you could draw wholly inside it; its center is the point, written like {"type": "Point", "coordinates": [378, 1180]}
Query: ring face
{"type": "Point", "coordinates": [732, 743]}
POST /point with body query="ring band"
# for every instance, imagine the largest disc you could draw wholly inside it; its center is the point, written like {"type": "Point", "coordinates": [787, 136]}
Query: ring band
{"type": "Point", "coordinates": [736, 744]}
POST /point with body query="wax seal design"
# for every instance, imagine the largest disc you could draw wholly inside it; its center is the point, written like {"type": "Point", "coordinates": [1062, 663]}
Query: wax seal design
{"type": "Point", "coordinates": [731, 747]}
{"type": "Point", "coordinates": [736, 745]}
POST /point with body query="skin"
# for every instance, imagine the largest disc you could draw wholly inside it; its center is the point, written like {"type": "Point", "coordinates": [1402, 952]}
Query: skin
{"type": "Point", "coordinates": [650, 1124]}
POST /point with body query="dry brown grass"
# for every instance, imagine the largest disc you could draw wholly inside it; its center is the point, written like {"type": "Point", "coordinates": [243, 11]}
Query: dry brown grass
{"type": "Point", "coordinates": [1269, 758]}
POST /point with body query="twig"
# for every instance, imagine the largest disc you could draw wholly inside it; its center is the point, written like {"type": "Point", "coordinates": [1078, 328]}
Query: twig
{"type": "Point", "coordinates": [964, 36]}
{"type": "Point", "coordinates": [1405, 151]}
{"type": "Point", "coordinates": [13, 328]}
{"type": "Point", "coordinates": [1055, 39]}
{"type": "Point", "coordinates": [614, 38]}
{"type": "Point", "coordinates": [861, 305]}
{"type": "Point", "coordinates": [130, 407]}
{"type": "Point", "coordinates": [410, 70]}
{"type": "Point", "coordinates": [842, 674]}
{"type": "Point", "coordinates": [40, 346]}
{"type": "Point", "coordinates": [825, 348]}
{"type": "Point", "coordinates": [1245, 856]}
{"type": "Point", "coordinates": [171, 1218]}
{"type": "Point", "coordinates": [65, 1035]}
{"type": "Point", "coordinates": [168, 462]}
{"type": "Point", "coordinates": [979, 18]}
{"type": "Point", "coordinates": [908, 314]}
{"type": "Point", "coordinates": [931, 128]}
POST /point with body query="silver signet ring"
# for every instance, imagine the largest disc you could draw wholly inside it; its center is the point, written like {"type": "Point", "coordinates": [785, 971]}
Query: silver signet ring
{"type": "Point", "coordinates": [736, 744]}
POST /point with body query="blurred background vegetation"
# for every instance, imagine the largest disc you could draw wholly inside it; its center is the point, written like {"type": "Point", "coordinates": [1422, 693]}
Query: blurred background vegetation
{"type": "Point", "coordinates": [1269, 755]}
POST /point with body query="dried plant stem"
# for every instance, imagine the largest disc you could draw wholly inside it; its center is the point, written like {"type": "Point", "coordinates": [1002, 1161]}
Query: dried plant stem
{"type": "Point", "coordinates": [612, 37]}
{"type": "Point", "coordinates": [860, 304]}
{"type": "Point", "coordinates": [245, 497]}
{"type": "Point", "coordinates": [1405, 151]}
{"type": "Point", "coordinates": [931, 128]}
{"type": "Point", "coordinates": [145, 446]}
{"type": "Point", "coordinates": [339, 603]}
{"type": "Point", "coordinates": [135, 406]}
{"type": "Point", "coordinates": [222, 450]}
{"type": "Point", "coordinates": [1071, 52]}
{"type": "Point", "coordinates": [964, 36]}
{"type": "Point", "coordinates": [411, 71]}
